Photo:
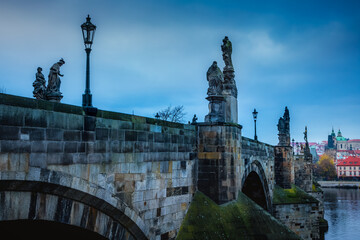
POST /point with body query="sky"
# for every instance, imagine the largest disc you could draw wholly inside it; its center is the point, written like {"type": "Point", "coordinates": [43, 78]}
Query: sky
{"type": "Point", "coordinates": [148, 55]}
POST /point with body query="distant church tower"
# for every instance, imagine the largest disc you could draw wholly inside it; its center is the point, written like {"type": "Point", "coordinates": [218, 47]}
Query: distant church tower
{"type": "Point", "coordinates": [331, 139]}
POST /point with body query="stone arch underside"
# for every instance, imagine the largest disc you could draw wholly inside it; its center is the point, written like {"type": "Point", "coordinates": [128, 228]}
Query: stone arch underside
{"type": "Point", "coordinates": [45, 195]}
{"type": "Point", "coordinates": [41, 230]}
{"type": "Point", "coordinates": [255, 185]}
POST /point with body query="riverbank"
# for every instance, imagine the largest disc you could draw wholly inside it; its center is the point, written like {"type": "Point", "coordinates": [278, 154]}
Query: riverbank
{"type": "Point", "coordinates": [339, 184]}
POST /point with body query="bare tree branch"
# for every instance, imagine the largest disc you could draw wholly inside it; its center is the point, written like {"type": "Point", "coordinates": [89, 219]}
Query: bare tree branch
{"type": "Point", "coordinates": [170, 114]}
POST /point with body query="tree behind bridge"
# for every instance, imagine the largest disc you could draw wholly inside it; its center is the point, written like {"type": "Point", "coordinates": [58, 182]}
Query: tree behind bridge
{"type": "Point", "coordinates": [175, 114]}
{"type": "Point", "coordinates": [325, 168]}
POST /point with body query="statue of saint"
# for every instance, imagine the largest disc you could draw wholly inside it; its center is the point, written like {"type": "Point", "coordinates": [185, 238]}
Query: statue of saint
{"type": "Point", "coordinates": [54, 77]}
{"type": "Point", "coordinates": [39, 85]}
{"type": "Point", "coordinates": [194, 119]}
{"type": "Point", "coordinates": [226, 48]}
{"type": "Point", "coordinates": [215, 78]}
{"type": "Point", "coordinates": [305, 135]}
{"type": "Point", "coordinates": [281, 125]}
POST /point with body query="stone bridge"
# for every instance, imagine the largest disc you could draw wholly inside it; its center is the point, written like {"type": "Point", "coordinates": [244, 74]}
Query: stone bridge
{"type": "Point", "coordinates": [120, 176]}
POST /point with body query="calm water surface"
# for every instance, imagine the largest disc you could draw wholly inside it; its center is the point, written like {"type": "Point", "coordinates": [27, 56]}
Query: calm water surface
{"type": "Point", "coordinates": [342, 211]}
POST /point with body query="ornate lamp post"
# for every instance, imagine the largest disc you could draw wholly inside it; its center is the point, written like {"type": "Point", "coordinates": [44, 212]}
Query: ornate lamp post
{"type": "Point", "coordinates": [255, 113]}
{"type": "Point", "coordinates": [88, 31]}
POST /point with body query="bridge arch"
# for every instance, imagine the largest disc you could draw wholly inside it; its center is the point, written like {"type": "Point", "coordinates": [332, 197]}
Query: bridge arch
{"type": "Point", "coordinates": [44, 195]}
{"type": "Point", "coordinates": [255, 185]}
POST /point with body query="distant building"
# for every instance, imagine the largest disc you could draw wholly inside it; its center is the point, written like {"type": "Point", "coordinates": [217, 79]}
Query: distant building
{"type": "Point", "coordinates": [353, 144]}
{"type": "Point", "coordinates": [316, 149]}
{"type": "Point", "coordinates": [342, 147]}
{"type": "Point", "coordinates": [331, 140]}
{"type": "Point", "coordinates": [348, 167]}
{"type": "Point", "coordinates": [341, 142]}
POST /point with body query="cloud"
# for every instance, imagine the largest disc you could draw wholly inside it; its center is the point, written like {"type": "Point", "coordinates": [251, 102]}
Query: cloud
{"type": "Point", "coordinates": [150, 55]}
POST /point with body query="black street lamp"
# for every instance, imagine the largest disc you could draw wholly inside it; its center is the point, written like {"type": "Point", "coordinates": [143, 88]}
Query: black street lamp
{"type": "Point", "coordinates": [255, 113]}
{"type": "Point", "coordinates": [88, 31]}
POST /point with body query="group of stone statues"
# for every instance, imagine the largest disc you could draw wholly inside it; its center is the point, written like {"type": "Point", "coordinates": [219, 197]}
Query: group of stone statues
{"type": "Point", "coordinates": [222, 91]}
{"type": "Point", "coordinates": [218, 79]}
{"type": "Point", "coordinates": [50, 92]}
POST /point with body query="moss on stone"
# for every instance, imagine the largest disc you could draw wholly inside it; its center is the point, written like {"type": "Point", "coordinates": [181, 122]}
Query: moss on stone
{"type": "Point", "coordinates": [316, 187]}
{"type": "Point", "coordinates": [292, 195]}
{"type": "Point", "coordinates": [240, 219]}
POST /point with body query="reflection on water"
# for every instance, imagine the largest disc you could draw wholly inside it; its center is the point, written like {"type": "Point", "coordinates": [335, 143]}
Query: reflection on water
{"type": "Point", "coordinates": [342, 211]}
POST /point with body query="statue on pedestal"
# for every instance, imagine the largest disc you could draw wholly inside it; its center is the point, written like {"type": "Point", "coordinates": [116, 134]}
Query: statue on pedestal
{"type": "Point", "coordinates": [226, 48]}
{"type": "Point", "coordinates": [284, 129]}
{"type": "Point", "coordinates": [193, 122]}
{"type": "Point", "coordinates": [39, 85]}
{"type": "Point", "coordinates": [229, 76]}
{"type": "Point", "coordinates": [307, 153]}
{"type": "Point", "coordinates": [305, 136]}
{"type": "Point", "coordinates": [54, 82]}
{"type": "Point", "coordinates": [215, 98]}
{"type": "Point", "coordinates": [216, 79]}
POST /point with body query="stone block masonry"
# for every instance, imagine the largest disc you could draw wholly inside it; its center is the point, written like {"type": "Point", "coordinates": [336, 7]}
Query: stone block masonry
{"type": "Point", "coordinates": [139, 173]}
{"type": "Point", "coordinates": [303, 172]}
{"type": "Point", "coordinates": [284, 166]}
{"type": "Point", "coordinates": [303, 219]}
{"type": "Point", "coordinates": [147, 164]}
{"type": "Point", "coordinates": [219, 152]}
{"type": "Point", "coordinates": [253, 154]}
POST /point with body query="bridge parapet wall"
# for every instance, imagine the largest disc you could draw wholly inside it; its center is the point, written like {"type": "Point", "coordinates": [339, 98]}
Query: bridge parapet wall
{"type": "Point", "coordinates": [146, 163]}
{"type": "Point", "coordinates": [263, 153]}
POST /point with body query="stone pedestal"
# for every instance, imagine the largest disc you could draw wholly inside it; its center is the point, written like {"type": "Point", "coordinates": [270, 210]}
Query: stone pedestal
{"type": "Point", "coordinates": [230, 94]}
{"type": "Point", "coordinates": [54, 96]}
{"type": "Point", "coordinates": [303, 173]}
{"type": "Point", "coordinates": [284, 166]}
{"type": "Point", "coordinates": [219, 148]}
{"type": "Point", "coordinates": [216, 109]}
{"type": "Point", "coordinates": [231, 106]}
{"type": "Point", "coordinates": [284, 139]}
{"type": "Point", "coordinates": [91, 111]}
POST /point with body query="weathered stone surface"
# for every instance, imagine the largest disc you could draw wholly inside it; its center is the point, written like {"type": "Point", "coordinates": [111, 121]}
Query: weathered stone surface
{"type": "Point", "coordinates": [9, 133]}
{"type": "Point", "coordinates": [217, 175]}
{"type": "Point", "coordinates": [206, 219]}
{"type": "Point", "coordinates": [284, 167]}
{"type": "Point", "coordinates": [299, 211]}
{"type": "Point", "coordinates": [140, 172]}
{"type": "Point", "coordinates": [216, 109]}
{"type": "Point", "coordinates": [90, 147]}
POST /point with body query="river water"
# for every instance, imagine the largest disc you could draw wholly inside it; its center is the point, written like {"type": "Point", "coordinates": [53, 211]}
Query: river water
{"type": "Point", "coordinates": [342, 211]}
